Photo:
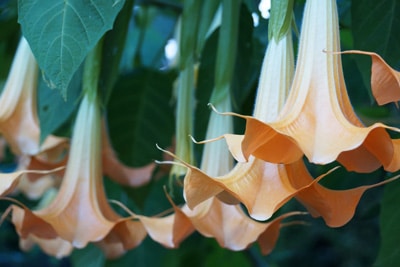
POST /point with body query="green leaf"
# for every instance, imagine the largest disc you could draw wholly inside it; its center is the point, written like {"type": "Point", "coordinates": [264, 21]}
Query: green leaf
{"type": "Point", "coordinates": [375, 28]}
{"type": "Point", "coordinates": [113, 46]}
{"type": "Point", "coordinates": [140, 115]}
{"type": "Point", "coordinates": [188, 31]}
{"type": "Point", "coordinates": [248, 61]}
{"type": "Point", "coordinates": [225, 258]}
{"type": "Point", "coordinates": [227, 50]}
{"type": "Point", "coordinates": [90, 256]}
{"type": "Point", "coordinates": [389, 254]}
{"type": "Point", "coordinates": [53, 109]}
{"type": "Point", "coordinates": [62, 32]}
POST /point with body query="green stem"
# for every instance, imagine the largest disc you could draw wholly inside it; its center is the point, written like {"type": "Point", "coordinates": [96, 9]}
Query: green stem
{"type": "Point", "coordinates": [91, 71]}
{"type": "Point", "coordinates": [227, 48]}
{"type": "Point", "coordinates": [280, 19]}
{"type": "Point", "coordinates": [188, 33]}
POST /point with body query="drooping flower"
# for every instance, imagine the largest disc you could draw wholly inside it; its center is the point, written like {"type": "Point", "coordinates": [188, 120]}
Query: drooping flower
{"type": "Point", "coordinates": [318, 119]}
{"type": "Point", "coordinates": [80, 212]}
{"type": "Point", "coordinates": [18, 115]}
{"type": "Point", "coordinates": [212, 217]}
{"type": "Point", "coordinates": [264, 187]}
{"type": "Point", "coordinates": [261, 186]}
{"type": "Point", "coordinates": [19, 126]}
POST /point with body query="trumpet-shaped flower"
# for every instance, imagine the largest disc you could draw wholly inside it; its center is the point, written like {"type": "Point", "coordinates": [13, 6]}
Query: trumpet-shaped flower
{"type": "Point", "coordinates": [264, 187]}
{"type": "Point", "coordinates": [261, 186]}
{"type": "Point", "coordinates": [80, 212]}
{"type": "Point", "coordinates": [227, 223]}
{"type": "Point", "coordinates": [318, 118]}
{"type": "Point", "coordinates": [18, 116]}
{"type": "Point", "coordinates": [19, 125]}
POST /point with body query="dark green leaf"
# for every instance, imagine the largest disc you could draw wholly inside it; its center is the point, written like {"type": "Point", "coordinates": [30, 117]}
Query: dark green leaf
{"type": "Point", "coordinates": [389, 254]}
{"type": "Point", "coordinates": [90, 256]}
{"type": "Point", "coordinates": [113, 46]}
{"type": "Point", "coordinates": [188, 31]}
{"type": "Point", "coordinates": [140, 115]}
{"type": "Point", "coordinates": [53, 109]}
{"type": "Point", "coordinates": [62, 32]}
{"type": "Point", "coordinates": [248, 61]}
{"type": "Point", "coordinates": [375, 28]}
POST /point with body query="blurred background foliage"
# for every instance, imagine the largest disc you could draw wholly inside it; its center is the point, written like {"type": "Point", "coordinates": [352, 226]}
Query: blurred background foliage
{"type": "Point", "coordinates": [139, 105]}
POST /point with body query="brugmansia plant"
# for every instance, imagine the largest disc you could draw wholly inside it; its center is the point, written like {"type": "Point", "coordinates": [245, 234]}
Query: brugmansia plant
{"type": "Point", "coordinates": [176, 132]}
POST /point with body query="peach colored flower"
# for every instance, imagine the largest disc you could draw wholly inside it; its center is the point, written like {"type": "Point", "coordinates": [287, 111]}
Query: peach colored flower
{"type": "Point", "coordinates": [318, 119]}
{"type": "Point", "coordinates": [80, 212]}
{"type": "Point", "coordinates": [18, 115]}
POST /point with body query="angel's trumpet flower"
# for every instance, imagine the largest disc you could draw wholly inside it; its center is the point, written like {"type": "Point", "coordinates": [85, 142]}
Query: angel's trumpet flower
{"type": "Point", "coordinates": [80, 212]}
{"type": "Point", "coordinates": [318, 119]}
{"type": "Point", "coordinates": [18, 115]}
{"type": "Point", "coordinates": [264, 187]}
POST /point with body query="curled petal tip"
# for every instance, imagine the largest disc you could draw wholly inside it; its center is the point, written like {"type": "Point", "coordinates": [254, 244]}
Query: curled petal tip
{"type": "Point", "coordinates": [194, 140]}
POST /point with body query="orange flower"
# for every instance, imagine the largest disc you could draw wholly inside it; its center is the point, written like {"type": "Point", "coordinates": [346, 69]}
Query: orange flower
{"type": "Point", "coordinates": [264, 187]}
{"type": "Point", "coordinates": [18, 116]}
{"type": "Point", "coordinates": [210, 216]}
{"type": "Point", "coordinates": [318, 118]}
{"type": "Point", "coordinates": [80, 212]}
{"type": "Point", "coordinates": [19, 125]}
{"type": "Point", "coordinates": [261, 186]}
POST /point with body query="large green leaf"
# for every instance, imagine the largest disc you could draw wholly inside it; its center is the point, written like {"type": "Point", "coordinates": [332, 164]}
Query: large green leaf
{"type": "Point", "coordinates": [140, 115]}
{"type": "Point", "coordinates": [62, 32]}
{"type": "Point", "coordinates": [375, 27]}
{"type": "Point", "coordinates": [113, 47]}
{"type": "Point", "coordinates": [389, 254]}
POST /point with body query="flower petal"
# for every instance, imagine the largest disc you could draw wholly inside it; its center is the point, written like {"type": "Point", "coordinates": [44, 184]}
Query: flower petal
{"type": "Point", "coordinates": [336, 207]}
{"type": "Point", "coordinates": [10, 180]}
{"type": "Point", "coordinates": [170, 230]}
{"type": "Point", "coordinates": [385, 81]}
{"type": "Point", "coordinates": [228, 224]}
{"type": "Point", "coordinates": [55, 247]}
